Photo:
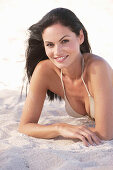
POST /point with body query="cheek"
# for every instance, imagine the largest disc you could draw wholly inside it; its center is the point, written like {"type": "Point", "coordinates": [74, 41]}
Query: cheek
{"type": "Point", "coordinates": [74, 47]}
{"type": "Point", "coordinates": [48, 52]}
{"type": "Point", "coordinates": [70, 48]}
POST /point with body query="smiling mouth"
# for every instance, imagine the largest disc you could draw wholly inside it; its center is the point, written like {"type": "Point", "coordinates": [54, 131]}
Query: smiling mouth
{"type": "Point", "coordinates": [60, 59]}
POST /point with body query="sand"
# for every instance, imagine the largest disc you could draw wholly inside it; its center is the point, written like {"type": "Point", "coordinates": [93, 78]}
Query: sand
{"type": "Point", "coordinates": [18, 151]}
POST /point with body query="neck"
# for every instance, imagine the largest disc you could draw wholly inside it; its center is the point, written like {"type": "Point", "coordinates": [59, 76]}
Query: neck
{"type": "Point", "coordinates": [74, 71]}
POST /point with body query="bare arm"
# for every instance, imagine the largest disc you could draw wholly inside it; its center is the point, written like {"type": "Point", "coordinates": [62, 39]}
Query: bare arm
{"type": "Point", "coordinates": [32, 110]}
{"type": "Point", "coordinates": [102, 87]}
{"type": "Point", "coordinates": [34, 104]}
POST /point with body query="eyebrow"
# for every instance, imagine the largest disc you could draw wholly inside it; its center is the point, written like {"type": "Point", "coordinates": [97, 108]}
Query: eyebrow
{"type": "Point", "coordinates": [60, 39]}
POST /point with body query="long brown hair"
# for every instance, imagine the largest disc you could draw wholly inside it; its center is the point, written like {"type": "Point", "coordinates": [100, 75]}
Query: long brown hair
{"type": "Point", "coordinates": [35, 51]}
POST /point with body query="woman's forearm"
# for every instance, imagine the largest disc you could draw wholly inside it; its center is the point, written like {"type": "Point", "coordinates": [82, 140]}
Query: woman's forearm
{"type": "Point", "coordinates": [59, 129]}
{"type": "Point", "coordinates": [40, 131]}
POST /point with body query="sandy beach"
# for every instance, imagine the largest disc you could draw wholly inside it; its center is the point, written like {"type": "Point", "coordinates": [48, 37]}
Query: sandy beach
{"type": "Point", "coordinates": [18, 151]}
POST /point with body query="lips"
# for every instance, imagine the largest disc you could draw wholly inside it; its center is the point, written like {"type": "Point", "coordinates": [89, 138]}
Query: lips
{"type": "Point", "coordinates": [60, 59]}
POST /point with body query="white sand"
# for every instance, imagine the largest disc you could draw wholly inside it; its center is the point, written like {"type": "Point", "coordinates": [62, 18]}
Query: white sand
{"type": "Point", "coordinates": [20, 152]}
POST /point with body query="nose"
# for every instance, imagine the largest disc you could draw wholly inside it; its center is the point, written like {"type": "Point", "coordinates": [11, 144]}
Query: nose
{"type": "Point", "coordinates": [57, 50]}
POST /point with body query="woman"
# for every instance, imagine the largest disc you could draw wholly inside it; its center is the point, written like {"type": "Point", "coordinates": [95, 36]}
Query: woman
{"type": "Point", "coordinates": [59, 63]}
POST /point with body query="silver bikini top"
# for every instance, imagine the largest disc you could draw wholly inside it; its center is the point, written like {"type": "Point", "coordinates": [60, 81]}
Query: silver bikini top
{"type": "Point", "coordinates": [68, 107]}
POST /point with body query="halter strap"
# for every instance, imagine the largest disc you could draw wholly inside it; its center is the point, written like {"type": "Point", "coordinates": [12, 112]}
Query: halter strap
{"type": "Point", "coordinates": [83, 78]}
{"type": "Point", "coordinates": [63, 84]}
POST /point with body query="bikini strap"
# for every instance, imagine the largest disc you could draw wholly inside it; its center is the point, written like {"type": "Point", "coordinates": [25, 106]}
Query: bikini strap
{"type": "Point", "coordinates": [63, 84]}
{"type": "Point", "coordinates": [83, 78]}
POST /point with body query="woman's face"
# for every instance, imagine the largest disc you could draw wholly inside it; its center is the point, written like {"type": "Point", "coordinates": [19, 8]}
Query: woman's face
{"type": "Point", "coordinates": [62, 46]}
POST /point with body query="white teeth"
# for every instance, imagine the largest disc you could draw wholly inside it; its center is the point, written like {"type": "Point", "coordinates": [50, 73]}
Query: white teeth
{"type": "Point", "coordinates": [60, 58]}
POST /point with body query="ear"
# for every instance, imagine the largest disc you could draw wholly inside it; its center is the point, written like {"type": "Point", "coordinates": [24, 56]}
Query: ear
{"type": "Point", "coordinates": [81, 36]}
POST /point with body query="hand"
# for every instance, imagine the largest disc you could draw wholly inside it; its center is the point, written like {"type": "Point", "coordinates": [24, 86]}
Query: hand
{"type": "Point", "coordinates": [79, 132]}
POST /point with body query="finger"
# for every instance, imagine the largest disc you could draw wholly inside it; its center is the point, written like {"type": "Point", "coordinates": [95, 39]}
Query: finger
{"type": "Point", "coordinates": [87, 136]}
{"type": "Point", "coordinates": [91, 136]}
{"type": "Point", "coordinates": [83, 139]}
{"type": "Point", "coordinates": [96, 139]}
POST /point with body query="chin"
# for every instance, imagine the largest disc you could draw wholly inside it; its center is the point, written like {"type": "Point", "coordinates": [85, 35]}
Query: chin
{"type": "Point", "coordinates": [60, 66]}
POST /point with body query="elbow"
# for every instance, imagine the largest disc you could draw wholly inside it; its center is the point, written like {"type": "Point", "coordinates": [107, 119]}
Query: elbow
{"type": "Point", "coordinates": [21, 128]}
{"type": "Point", "coordinates": [107, 137]}
{"type": "Point", "coordinates": [103, 135]}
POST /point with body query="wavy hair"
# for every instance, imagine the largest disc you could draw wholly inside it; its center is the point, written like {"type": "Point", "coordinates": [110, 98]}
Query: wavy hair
{"type": "Point", "coordinates": [35, 51]}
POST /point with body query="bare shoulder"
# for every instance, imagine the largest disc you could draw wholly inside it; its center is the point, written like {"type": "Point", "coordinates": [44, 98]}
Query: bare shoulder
{"type": "Point", "coordinates": [96, 64]}
{"type": "Point", "coordinates": [42, 72]}
{"type": "Point", "coordinates": [48, 76]}
{"type": "Point", "coordinates": [44, 67]}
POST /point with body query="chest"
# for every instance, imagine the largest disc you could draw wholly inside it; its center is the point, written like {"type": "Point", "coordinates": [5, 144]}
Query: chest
{"type": "Point", "coordinates": [77, 96]}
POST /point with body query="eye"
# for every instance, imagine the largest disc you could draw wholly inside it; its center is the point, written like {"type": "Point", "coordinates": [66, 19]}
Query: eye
{"type": "Point", "coordinates": [65, 41]}
{"type": "Point", "coordinates": [50, 45]}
